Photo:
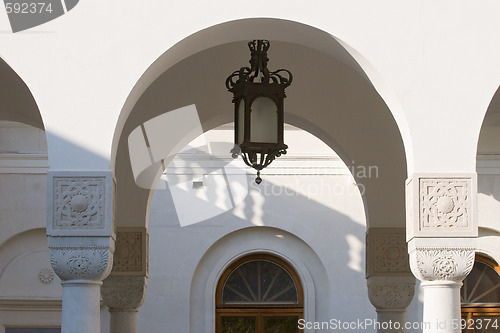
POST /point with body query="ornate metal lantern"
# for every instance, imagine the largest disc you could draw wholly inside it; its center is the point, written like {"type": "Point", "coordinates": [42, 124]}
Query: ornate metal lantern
{"type": "Point", "coordinates": [258, 109]}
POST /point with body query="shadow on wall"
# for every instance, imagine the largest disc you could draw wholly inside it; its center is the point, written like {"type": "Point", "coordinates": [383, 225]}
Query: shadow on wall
{"type": "Point", "coordinates": [488, 166]}
{"type": "Point", "coordinates": [67, 152]}
{"type": "Point", "coordinates": [27, 280]}
{"type": "Point", "coordinates": [17, 102]}
{"type": "Point", "coordinates": [321, 234]}
{"type": "Point", "coordinates": [23, 168]}
{"type": "Point", "coordinates": [25, 270]}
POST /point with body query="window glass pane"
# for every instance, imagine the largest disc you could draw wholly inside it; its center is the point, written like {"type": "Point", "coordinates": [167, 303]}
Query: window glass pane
{"type": "Point", "coordinates": [31, 330]}
{"type": "Point", "coordinates": [264, 121]}
{"type": "Point", "coordinates": [482, 285]}
{"type": "Point", "coordinates": [288, 324]}
{"type": "Point", "coordinates": [259, 281]}
{"type": "Point", "coordinates": [241, 121]}
{"type": "Point", "coordinates": [238, 324]}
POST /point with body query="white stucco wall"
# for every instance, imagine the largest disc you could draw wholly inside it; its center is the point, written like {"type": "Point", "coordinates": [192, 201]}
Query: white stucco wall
{"type": "Point", "coordinates": [435, 63]}
{"type": "Point", "coordinates": [30, 292]}
{"type": "Point", "coordinates": [311, 215]}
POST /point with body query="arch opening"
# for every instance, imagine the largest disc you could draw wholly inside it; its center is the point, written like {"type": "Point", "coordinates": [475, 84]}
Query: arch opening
{"type": "Point", "coordinates": [331, 98]}
{"type": "Point", "coordinates": [260, 292]}
{"type": "Point", "coordinates": [18, 104]}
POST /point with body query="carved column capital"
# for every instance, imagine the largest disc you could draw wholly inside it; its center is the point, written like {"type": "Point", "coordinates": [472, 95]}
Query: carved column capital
{"type": "Point", "coordinates": [121, 292]}
{"type": "Point", "coordinates": [81, 258]}
{"type": "Point", "coordinates": [444, 264]}
{"type": "Point", "coordinates": [80, 224]}
{"type": "Point", "coordinates": [391, 293]}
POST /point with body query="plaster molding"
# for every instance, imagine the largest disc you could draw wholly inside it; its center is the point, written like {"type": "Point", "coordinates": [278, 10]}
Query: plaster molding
{"type": "Point", "coordinates": [190, 164]}
{"type": "Point", "coordinates": [24, 163]}
{"type": "Point", "coordinates": [391, 293]}
{"type": "Point", "coordinates": [79, 203]}
{"type": "Point", "coordinates": [441, 205]}
{"type": "Point", "coordinates": [52, 305]}
{"type": "Point", "coordinates": [387, 252]}
{"type": "Point", "coordinates": [236, 245]}
{"type": "Point", "coordinates": [443, 264]}
{"type": "Point", "coordinates": [488, 164]}
{"type": "Point", "coordinates": [10, 123]}
{"type": "Point", "coordinates": [131, 257]}
{"type": "Point", "coordinates": [124, 292]}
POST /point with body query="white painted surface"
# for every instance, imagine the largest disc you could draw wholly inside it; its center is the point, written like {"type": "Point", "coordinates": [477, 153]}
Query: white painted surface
{"type": "Point", "coordinates": [440, 64]}
{"type": "Point", "coordinates": [434, 64]}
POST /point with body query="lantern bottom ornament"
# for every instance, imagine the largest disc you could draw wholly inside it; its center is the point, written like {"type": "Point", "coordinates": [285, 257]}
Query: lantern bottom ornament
{"type": "Point", "coordinates": [258, 157]}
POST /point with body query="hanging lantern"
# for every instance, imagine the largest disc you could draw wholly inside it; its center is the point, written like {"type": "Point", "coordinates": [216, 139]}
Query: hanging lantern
{"type": "Point", "coordinates": [258, 109]}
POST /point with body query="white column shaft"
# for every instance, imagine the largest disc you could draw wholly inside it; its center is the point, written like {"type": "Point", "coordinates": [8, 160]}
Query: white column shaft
{"type": "Point", "coordinates": [441, 306]}
{"type": "Point", "coordinates": [391, 321]}
{"type": "Point", "coordinates": [81, 307]}
{"type": "Point", "coordinates": [123, 321]}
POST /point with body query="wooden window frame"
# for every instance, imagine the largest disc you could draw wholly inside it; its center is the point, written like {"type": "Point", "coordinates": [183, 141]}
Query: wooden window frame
{"type": "Point", "coordinates": [487, 310]}
{"type": "Point", "coordinates": [259, 311]}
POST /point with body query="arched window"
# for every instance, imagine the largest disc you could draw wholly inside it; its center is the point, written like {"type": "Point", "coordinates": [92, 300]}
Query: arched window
{"type": "Point", "coordinates": [259, 294]}
{"type": "Point", "coordinates": [480, 297]}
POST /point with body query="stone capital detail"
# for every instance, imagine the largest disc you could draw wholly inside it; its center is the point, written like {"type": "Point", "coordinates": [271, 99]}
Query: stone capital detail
{"type": "Point", "coordinates": [79, 203]}
{"type": "Point", "coordinates": [124, 292]}
{"type": "Point", "coordinates": [387, 252]}
{"type": "Point", "coordinates": [444, 264]}
{"type": "Point", "coordinates": [81, 258]}
{"type": "Point", "coordinates": [391, 293]}
{"type": "Point", "coordinates": [441, 205]}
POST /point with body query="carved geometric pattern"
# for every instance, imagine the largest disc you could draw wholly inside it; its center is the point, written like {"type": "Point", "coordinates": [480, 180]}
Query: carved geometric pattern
{"type": "Point", "coordinates": [90, 263]}
{"type": "Point", "coordinates": [79, 203]}
{"type": "Point", "coordinates": [123, 291]}
{"type": "Point", "coordinates": [389, 293]}
{"type": "Point", "coordinates": [445, 203]}
{"type": "Point", "coordinates": [128, 252]}
{"type": "Point", "coordinates": [391, 253]}
{"type": "Point", "coordinates": [441, 264]}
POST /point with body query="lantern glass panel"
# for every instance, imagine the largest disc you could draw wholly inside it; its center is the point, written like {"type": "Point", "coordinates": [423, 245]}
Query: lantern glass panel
{"type": "Point", "coordinates": [241, 122]}
{"type": "Point", "coordinates": [264, 121]}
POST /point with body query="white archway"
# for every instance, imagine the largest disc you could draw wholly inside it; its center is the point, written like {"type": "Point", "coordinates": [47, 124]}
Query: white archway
{"type": "Point", "coordinates": [344, 109]}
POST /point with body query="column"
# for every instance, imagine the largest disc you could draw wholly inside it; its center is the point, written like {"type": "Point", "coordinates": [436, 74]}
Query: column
{"type": "Point", "coordinates": [391, 295]}
{"type": "Point", "coordinates": [124, 290]}
{"type": "Point", "coordinates": [124, 295]}
{"type": "Point", "coordinates": [81, 243]}
{"type": "Point", "coordinates": [441, 270]}
{"type": "Point", "coordinates": [391, 285]}
{"type": "Point", "coordinates": [442, 231]}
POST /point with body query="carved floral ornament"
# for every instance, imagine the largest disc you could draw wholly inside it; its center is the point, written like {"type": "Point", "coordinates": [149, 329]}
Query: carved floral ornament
{"type": "Point", "coordinates": [46, 276]}
{"type": "Point", "coordinates": [430, 264]}
{"type": "Point", "coordinates": [90, 263]}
